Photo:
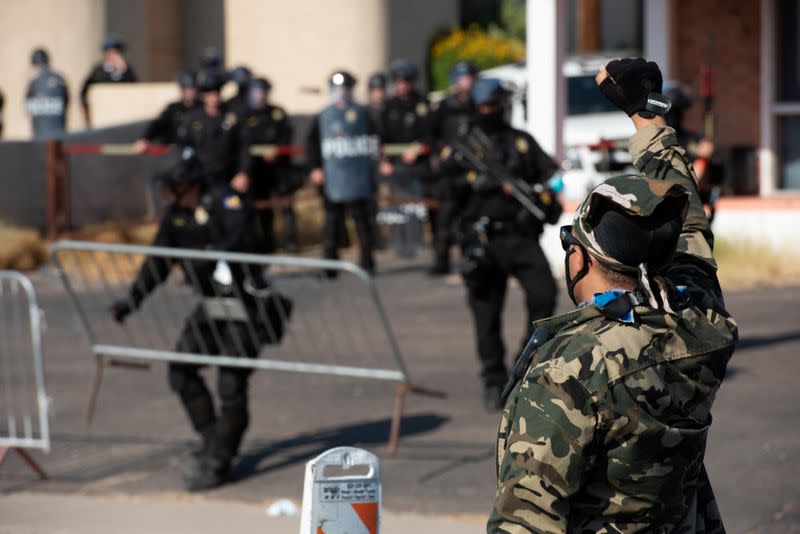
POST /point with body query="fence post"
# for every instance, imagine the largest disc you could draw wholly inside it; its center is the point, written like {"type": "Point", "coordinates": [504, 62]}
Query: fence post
{"type": "Point", "coordinates": [57, 190]}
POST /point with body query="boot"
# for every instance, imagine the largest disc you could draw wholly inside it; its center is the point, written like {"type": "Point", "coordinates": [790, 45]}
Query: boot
{"type": "Point", "coordinates": [204, 472]}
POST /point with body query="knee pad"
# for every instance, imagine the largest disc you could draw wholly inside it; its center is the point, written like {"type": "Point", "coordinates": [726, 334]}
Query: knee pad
{"type": "Point", "coordinates": [184, 380]}
{"type": "Point", "coordinates": [232, 386]}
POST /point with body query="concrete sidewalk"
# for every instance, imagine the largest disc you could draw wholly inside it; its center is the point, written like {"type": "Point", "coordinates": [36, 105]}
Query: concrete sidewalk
{"type": "Point", "coordinates": [26, 513]}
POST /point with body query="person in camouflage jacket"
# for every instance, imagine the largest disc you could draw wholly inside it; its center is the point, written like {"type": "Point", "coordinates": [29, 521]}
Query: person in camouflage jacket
{"type": "Point", "coordinates": [605, 428]}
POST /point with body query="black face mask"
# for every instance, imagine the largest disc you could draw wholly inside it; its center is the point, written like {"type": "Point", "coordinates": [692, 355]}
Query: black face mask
{"type": "Point", "coordinates": [490, 122]}
{"type": "Point", "coordinates": [572, 282]}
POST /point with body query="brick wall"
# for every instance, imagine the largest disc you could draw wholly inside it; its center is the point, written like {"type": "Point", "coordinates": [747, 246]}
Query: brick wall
{"type": "Point", "coordinates": [734, 26]}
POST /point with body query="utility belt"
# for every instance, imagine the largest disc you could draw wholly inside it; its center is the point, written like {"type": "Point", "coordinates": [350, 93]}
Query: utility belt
{"type": "Point", "coordinates": [485, 228]}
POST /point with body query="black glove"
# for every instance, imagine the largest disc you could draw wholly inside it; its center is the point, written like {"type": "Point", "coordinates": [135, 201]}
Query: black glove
{"type": "Point", "coordinates": [634, 86]}
{"type": "Point", "coordinates": [120, 310]}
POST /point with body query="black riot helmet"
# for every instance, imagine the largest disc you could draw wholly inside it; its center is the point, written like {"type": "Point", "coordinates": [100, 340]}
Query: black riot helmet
{"type": "Point", "coordinates": [241, 76]}
{"type": "Point", "coordinates": [463, 68]}
{"type": "Point", "coordinates": [40, 58]}
{"type": "Point", "coordinates": [112, 42]}
{"type": "Point", "coordinates": [181, 168]}
{"type": "Point", "coordinates": [681, 97]}
{"type": "Point", "coordinates": [403, 69]}
{"type": "Point", "coordinates": [377, 81]}
{"type": "Point", "coordinates": [342, 78]}
{"type": "Point", "coordinates": [489, 91]}
{"type": "Point", "coordinates": [210, 80]}
{"type": "Point", "coordinates": [211, 58]}
{"type": "Point", "coordinates": [186, 79]}
{"type": "Point", "coordinates": [261, 84]}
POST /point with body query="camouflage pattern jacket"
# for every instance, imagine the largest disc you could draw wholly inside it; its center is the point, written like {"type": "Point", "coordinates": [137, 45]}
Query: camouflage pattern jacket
{"type": "Point", "coordinates": [607, 430]}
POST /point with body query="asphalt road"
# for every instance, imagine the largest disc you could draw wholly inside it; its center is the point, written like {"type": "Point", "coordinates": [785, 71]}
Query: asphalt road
{"type": "Point", "coordinates": [445, 461]}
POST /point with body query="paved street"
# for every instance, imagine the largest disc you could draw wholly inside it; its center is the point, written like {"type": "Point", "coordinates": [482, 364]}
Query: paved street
{"type": "Point", "coordinates": [445, 462]}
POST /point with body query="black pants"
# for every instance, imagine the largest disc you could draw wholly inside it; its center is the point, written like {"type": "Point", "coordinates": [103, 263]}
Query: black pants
{"type": "Point", "coordinates": [222, 434]}
{"type": "Point", "coordinates": [508, 255]}
{"type": "Point", "coordinates": [268, 243]}
{"type": "Point", "coordinates": [334, 220]}
{"type": "Point", "coordinates": [266, 223]}
{"type": "Point", "coordinates": [443, 238]}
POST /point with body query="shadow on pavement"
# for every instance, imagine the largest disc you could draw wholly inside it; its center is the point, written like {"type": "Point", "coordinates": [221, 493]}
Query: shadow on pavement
{"type": "Point", "coordinates": [303, 447]}
{"type": "Point", "coordinates": [765, 341]}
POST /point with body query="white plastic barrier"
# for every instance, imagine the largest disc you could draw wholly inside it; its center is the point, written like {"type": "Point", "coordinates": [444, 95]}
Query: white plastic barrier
{"type": "Point", "coordinates": [342, 493]}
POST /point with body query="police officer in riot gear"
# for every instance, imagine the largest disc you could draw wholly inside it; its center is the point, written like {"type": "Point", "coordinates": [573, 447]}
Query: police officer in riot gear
{"type": "Point", "coordinates": [218, 218]}
{"type": "Point", "coordinates": [376, 96]}
{"type": "Point", "coordinates": [47, 98]}
{"type": "Point", "coordinates": [271, 172]}
{"type": "Point", "coordinates": [376, 101]}
{"type": "Point", "coordinates": [241, 76]}
{"type": "Point", "coordinates": [450, 119]}
{"type": "Point", "coordinates": [214, 131]}
{"type": "Point", "coordinates": [211, 59]}
{"type": "Point", "coordinates": [699, 149]}
{"type": "Point", "coordinates": [406, 120]}
{"type": "Point", "coordinates": [342, 149]}
{"type": "Point", "coordinates": [500, 236]}
{"type": "Point", "coordinates": [114, 68]}
{"type": "Point", "coordinates": [164, 128]}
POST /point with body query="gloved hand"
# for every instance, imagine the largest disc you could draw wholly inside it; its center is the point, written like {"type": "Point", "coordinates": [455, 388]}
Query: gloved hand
{"type": "Point", "coordinates": [629, 83]}
{"type": "Point", "coordinates": [120, 310]}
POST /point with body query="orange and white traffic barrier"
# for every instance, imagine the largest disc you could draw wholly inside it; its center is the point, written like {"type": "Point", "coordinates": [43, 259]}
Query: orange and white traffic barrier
{"type": "Point", "coordinates": [342, 493]}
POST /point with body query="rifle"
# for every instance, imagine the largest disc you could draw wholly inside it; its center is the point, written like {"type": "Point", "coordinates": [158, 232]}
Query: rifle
{"type": "Point", "coordinates": [476, 149]}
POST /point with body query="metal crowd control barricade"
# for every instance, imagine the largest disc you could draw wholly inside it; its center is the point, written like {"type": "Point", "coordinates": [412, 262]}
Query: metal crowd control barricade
{"type": "Point", "coordinates": [24, 420]}
{"type": "Point", "coordinates": [336, 324]}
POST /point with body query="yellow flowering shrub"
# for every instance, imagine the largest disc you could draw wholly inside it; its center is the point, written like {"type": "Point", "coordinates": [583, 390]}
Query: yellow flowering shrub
{"type": "Point", "coordinates": [486, 49]}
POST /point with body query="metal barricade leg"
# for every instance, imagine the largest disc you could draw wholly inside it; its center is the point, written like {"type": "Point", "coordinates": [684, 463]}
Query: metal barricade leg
{"type": "Point", "coordinates": [399, 404]}
{"type": "Point", "coordinates": [26, 458]}
{"type": "Point", "coordinates": [91, 403]}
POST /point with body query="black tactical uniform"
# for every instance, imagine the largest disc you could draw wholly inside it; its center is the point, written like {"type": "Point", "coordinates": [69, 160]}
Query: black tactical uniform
{"type": "Point", "coordinates": [223, 220]}
{"type": "Point", "coordinates": [377, 82]}
{"type": "Point", "coordinates": [712, 174]}
{"type": "Point", "coordinates": [500, 237]}
{"type": "Point", "coordinates": [164, 128]}
{"type": "Point", "coordinates": [269, 126]}
{"type": "Point", "coordinates": [408, 120]}
{"type": "Point", "coordinates": [242, 77]}
{"type": "Point", "coordinates": [450, 119]}
{"type": "Point", "coordinates": [105, 73]}
{"type": "Point", "coordinates": [220, 141]}
{"type": "Point", "coordinates": [47, 99]}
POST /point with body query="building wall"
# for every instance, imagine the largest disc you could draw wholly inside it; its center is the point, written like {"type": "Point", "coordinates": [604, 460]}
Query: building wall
{"type": "Point", "coordinates": [412, 25]}
{"type": "Point", "coordinates": [298, 44]}
{"type": "Point", "coordinates": [71, 31]}
{"type": "Point", "coordinates": [203, 24]}
{"type": "Point", "coordinates": [734, 28]}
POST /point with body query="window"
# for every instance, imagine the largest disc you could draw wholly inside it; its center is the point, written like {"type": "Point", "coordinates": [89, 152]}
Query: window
{"type": "Point", "coordinates": [787, 62]}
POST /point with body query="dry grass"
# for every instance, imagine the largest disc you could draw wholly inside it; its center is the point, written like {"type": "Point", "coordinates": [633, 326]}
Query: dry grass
{"type": "Point", "coordinates": [21, 249]}
{"type": "Point", "coordinates": [746, 265]}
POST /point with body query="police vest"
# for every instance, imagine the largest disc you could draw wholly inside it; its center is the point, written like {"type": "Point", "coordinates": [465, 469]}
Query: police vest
{"type": "Point", "coordinates": [348, 153]}
{"type": "Point", "coordinates": [46, 102]}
